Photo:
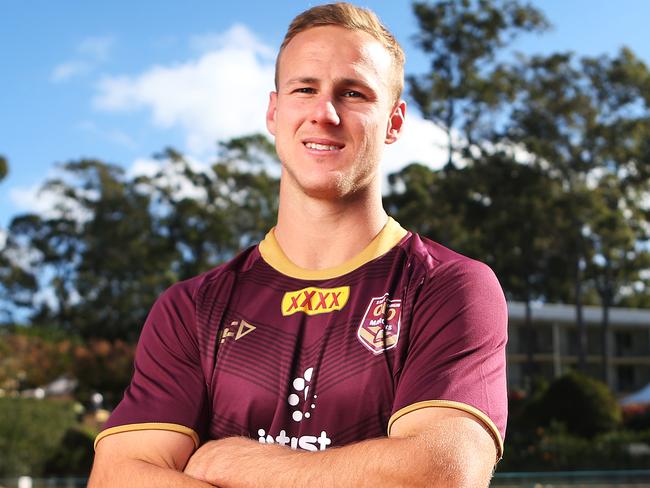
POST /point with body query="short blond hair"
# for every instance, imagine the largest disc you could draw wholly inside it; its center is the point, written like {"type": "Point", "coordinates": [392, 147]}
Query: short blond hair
{"type": "Point", "coordinates": [351, 17]}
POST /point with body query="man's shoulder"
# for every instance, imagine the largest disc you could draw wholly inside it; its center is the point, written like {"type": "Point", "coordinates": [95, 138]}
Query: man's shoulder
{"type": "Point", "coordinates": [446, 275]}
{"type": "Point", "coordinates": [192, 288]}
{"type": "Point", "coordinates": [436, 259]}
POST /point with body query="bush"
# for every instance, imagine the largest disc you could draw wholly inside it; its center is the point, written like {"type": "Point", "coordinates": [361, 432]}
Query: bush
{"type": "Point", "coordinates": [585, 406]}
{"type": "Point", "coordinates": [74, 456]}
{"type": "Point", "coordinates": [28, 360]}
{"type": "Point", "coordinates": [30, 432]}
{"type": "Point", "coordinates": [554, 449]}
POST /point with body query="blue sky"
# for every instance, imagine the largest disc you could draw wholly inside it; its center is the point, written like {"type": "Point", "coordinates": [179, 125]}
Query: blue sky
{"type": "Point", "coordinates": [119, 81]}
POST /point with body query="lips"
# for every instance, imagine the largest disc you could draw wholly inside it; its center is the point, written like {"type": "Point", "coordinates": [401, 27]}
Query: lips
{"type": "Point", "coordinates": [323, 145]}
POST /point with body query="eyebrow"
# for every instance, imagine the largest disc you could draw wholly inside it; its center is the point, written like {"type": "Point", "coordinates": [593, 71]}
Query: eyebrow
{"type": "Point", "coordinates": [344, 81]}
{"type": "Point", "coordinates": [302, 79]}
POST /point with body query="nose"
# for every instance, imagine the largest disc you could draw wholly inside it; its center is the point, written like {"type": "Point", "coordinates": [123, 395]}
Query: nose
{"type": "Point", "coordinates": [325, 112]}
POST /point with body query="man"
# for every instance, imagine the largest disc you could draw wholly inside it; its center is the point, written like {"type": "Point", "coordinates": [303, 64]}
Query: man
{"type": "Point", "coordinates": [341, 333]}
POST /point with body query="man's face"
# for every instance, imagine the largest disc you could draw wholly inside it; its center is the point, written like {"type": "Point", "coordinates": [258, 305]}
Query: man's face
{"type": "Point", "coordinates": [333, 111]}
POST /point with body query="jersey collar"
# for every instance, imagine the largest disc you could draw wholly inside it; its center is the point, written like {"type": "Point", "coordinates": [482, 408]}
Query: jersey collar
{"type": "Point", "coordinates": [383, 242]}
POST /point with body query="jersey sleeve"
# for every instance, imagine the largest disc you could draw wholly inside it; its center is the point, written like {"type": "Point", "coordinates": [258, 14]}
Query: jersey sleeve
{"type": "Point", "coordinates": [168, 390]}
{"type": "Point", "coordinates": [456, 347]}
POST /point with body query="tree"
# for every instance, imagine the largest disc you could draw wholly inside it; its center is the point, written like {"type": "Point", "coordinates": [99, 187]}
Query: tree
{"type": "Point", "coordinates": [502, 212]}
{"type": "Point", "coordinates": [232, 205]}
{"type": "Point", "coordinates": [432, 203]}
{"type": "Point", "coordinates": [518, 209]}
{"type": "Point", "coordinates": [17, 283]}
{"type": "Point", "coordinates": [581, 121]}
{"type": "Point", "coordinates": [619, 259]}
{"type": "Point", "coordinates": [465, 85]}
{"type": "Point", "coordinates": [98, 255]}
{"type": "Point", "coordinates": [112, 243]}
{"type": "Point", "coordinates": [4, 167]}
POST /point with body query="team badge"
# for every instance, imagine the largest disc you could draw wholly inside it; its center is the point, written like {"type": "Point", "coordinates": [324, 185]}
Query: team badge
{"type": "Point", "coordinates": [379, 328]}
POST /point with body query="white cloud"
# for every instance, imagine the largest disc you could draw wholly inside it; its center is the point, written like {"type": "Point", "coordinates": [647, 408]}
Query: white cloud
{"type": "Point", "coordinates": [96, 48]}
{"type": "Point", "coordinates": [3, 239]}
{"type": "Point", "coordinates": [69, 69]}
{"type": "Point", "coordinates": [47, 203]}
{"type": "Point", "coordinates": [30, 199]}
{"type": "Point", "coordinates": [238, 35]}
{"type": "Point", "coordinates": [165, 172]}
{"type": "Point", "coordinates": [220, 95]}
{"type": "Point", "coordinates": [92, 51]}
{"type": "Point", "coordinates": [144, 167]}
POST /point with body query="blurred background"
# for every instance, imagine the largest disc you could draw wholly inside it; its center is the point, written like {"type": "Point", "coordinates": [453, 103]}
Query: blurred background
{"type": "Point", "coordinates": [133, 154]}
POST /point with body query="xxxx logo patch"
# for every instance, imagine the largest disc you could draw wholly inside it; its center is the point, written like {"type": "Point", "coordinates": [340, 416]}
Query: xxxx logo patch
{"type": "Point", "coordinates": [313, 301]}
{"type": "Point", "coordinates": [379, 328]}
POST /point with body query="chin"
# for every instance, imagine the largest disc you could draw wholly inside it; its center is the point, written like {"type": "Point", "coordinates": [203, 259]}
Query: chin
{"type": "Point", "coordinates": [334, 189]}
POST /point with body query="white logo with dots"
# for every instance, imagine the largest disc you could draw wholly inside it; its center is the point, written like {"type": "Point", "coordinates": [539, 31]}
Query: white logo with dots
{"type": "Point", "coordinates": [298, 399]}
{"type": "Point", "coordinates": [301, 386]}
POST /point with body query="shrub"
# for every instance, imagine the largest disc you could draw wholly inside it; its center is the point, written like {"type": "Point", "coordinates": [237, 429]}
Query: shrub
{"type": "Point", "coordinates": [30, 432]}
{"type": "Point", "coordinates": [73, 457]}
{"type": "Point", "coordinates": [584, 405]}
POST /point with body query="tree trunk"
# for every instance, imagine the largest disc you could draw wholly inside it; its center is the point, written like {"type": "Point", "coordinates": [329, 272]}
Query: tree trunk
{"type": "Point", "coordinates": [580, 323]}
{"type": "Point", "coordinates": [606, 297]}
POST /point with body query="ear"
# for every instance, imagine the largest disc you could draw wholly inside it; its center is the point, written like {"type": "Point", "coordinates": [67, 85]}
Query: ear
{"type": "Point", "coordinates": [270, 112]}
{"type": "Point", "coordinates": [395, 122]}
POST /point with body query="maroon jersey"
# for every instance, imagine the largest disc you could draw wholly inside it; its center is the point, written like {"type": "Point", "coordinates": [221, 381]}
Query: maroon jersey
{"type": "Point", "coordinates": [260, 348]}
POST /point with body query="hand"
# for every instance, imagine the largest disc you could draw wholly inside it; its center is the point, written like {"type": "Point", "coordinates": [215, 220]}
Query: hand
{"type": "Point", "coordinates": [207, 462]}
{"type": "Point", "coordinates": [219, 462]}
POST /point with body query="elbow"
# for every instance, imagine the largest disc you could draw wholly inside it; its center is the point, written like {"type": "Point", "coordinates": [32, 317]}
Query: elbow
{"type": "Point", "coordinates": [463, 472]}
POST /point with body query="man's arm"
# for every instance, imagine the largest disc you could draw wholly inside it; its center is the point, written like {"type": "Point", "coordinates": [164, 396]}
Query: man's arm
{"type": "Point", "coordinates": [146, 458]}
{"type": "Point", "coordinates": [431, 447]}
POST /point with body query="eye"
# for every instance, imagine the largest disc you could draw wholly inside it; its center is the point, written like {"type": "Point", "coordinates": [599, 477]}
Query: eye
{"type": "Point", "coordinates": [304, 89]}
{"type": "Point", "coordinates": [353, 94]}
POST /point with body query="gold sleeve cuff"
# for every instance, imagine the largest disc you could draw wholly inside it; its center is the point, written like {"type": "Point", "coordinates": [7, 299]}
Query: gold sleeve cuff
{"type": "Point", "coordinates": [149, 426]}
{"type": "Point", "coordinates": [480, 416]}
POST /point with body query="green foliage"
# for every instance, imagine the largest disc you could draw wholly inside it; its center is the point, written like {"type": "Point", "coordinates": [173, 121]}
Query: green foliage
{"type": "Point", "coordinates": [432, 203]}
{"type": "Point", "coordinates": [29, 361]}
{"type": "Point", "coordinates": [114, 243]}
{"type": "Point", "coordinates": [465, 84]}
{"type": "Point", "coordinates": [583, 405]}
{"type": "Point", "coordinates": [554, 449]}
{"type": "Point", "coordinates": [539, 440]}
{"type": "Point", "coordinates": [105, 367]}
{"type": "Point", "coordinates": [496, 210]}
{"type": "Point", "coordinates": [74, 455]}
{"type": "Point", "coordinates": [30, 432]}
{"type": "Point", "coordinates": [4, 167]}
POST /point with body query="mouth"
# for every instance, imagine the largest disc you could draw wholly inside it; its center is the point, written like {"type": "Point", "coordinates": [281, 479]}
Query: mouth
{"type": "Point", "coordinates": [323, 145]}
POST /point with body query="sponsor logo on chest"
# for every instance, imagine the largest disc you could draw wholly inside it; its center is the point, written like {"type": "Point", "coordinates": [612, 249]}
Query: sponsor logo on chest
{"type": "Point", "coordinates": [314, 301]}
{"type": "Point", "coordinates": [302, 402]}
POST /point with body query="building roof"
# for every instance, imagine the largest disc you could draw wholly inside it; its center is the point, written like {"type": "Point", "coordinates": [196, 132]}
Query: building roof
{"type": "Point", "coordinates": [565, 314]}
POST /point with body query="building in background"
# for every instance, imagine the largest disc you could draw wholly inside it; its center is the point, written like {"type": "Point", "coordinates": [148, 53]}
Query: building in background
{"type": "Point", "coordinates": [550, 347]}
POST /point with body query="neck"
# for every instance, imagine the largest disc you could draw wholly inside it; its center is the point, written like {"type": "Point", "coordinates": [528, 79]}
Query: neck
{"type": "Point", "coordinates": [319, 233]}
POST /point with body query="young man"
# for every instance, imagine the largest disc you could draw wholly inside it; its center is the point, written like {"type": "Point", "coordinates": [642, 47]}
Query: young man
{"type": "Point", "coordinates": [341, 333]}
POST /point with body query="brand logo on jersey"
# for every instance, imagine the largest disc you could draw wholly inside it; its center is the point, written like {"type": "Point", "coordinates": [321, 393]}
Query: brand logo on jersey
{"type": "Point", "coordinates": [298, 399]}
{"type": "Point", "coordinates": [241, 327]}
{"type": "Point", "coordinates": [306, 442]}
{"type": "Point", "coordinates": [313, 301]}
{"type": "Point", "coordinates": [379, 328]}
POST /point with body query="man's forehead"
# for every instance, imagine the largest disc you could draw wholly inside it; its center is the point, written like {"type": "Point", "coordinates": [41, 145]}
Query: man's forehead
{"type": "Point", "coordinates": [322, 48]}
{"type": "Point", "coordinates": [315, 39]}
